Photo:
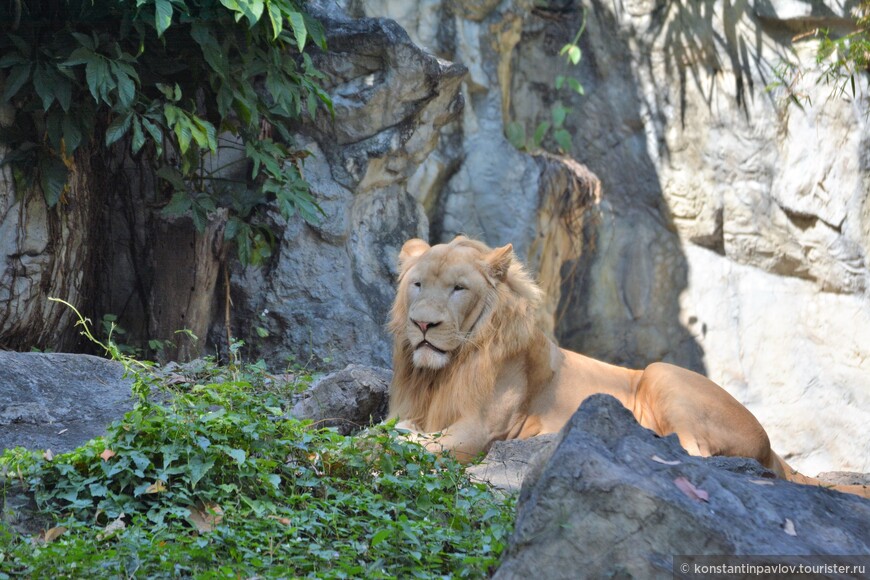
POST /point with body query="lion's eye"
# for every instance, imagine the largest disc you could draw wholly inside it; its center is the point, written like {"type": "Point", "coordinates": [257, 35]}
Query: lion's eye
{"type": "Point", "coordinates": [458, 287]}
{"type": "Point", "coordinates": [417, 284]}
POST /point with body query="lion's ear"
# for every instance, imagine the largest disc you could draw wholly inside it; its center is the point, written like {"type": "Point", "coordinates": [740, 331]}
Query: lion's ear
{"type": "Point", "coordinates": [499, 261]}
{"type": "Point", "coordinates": [411, 249]}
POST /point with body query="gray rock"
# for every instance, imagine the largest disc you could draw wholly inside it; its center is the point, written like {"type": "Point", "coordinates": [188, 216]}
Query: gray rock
{"type": "Point", "coordinates": [606, 504]}
{"type": "Point", "coordinates": [507, 462]}
{"type": "Point", "coordinates": [819, 11]}
{"type": "Point", "coordinates": [349, 400]}
{"type": "Point", "coordinates": [326, 294]}
{"type": "Point", "coordinates": [845, 477]}
{"type": "Point", "coordinates": [59, 401]}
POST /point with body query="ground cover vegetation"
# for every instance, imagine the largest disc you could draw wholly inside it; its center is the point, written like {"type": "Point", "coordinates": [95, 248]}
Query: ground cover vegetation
{"type": "Point", "coordinates": [208, 477]}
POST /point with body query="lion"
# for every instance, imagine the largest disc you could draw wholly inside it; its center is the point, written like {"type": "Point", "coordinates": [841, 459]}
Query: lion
{"type": "Point", "coordinates": [471, 367]}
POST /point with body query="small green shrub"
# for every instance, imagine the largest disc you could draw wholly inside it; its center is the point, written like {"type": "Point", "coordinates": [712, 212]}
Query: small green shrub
{"type": "Point", "coordinates": [516, 131]}
{"type": "Point", "coordinates": [839, 58]}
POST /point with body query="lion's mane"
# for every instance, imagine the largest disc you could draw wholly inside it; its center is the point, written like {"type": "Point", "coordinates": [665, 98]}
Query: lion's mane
{"type": "Point", "coordinates": [434, 399]}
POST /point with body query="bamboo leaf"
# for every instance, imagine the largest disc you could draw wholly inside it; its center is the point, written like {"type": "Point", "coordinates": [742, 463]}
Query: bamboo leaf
{"type": "Point", "coordinates": [276, 19]}
{"type": "Point", "coordinates": [97, 77]}
{"type": "Point", "coordinates": [125, 85]}
{"type": "Point", "coordinates": [81, 55]}
{"type": "Point", "coordinates": [63, 92]}
{"type": "Point", "coordinates": [255, 11]}
{"type": "Point", "coordinates": [156, 133]}
{"type": "Point", "coordinates": [183, 134]}
{"type": "Point", "coordinates": [211, 50]}
{"type": "Point", "coordinates": [576, 86]}
{"type": "Point", "coordinates": [72, 135]}
{"type": "Point", "coordinates": [52, 178]}
{"type": "Point", "coordinates": [563, 138]}
{"type": "Point", "coordinates": [541, 132]}
{"type": "Point", "coordinates": [42, 83]}
{"type": "Point", "coordinates": [8, 60]}
{"type": "Point", "coordinates": [178, 205]}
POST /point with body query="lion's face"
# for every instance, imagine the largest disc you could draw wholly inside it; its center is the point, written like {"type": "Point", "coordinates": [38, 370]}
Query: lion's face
{"type": "Point", "coordinates": [446, 290]}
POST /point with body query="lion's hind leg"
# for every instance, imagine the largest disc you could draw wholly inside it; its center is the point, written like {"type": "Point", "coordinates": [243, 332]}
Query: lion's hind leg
{"type": "Point", "coordinates": [707, 420]}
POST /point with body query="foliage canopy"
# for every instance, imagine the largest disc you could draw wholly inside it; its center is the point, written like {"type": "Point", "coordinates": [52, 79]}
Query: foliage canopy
{"type": "Point", "coordinates": [169, 78]}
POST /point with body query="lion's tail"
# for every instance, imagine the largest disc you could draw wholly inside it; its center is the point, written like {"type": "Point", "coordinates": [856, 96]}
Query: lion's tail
{"type": "Point", "coordinates": [787, 472]}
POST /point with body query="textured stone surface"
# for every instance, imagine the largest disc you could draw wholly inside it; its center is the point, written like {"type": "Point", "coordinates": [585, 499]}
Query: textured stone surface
{"type": "Point", "coordinates": [794, 356]}
{"type": "Point", "coordinates": [476, 183]}
{"type": "Point", "coordinates": [59, 401]}
{"type": "Point", "coordinates": [601, 503]}
{"type": "Point", "coordinates": [349, 399]}
{"type": "Point", "coordinates": [707, 181]}
{"type": "Point", "coordinates": [46, 253]}
{"type": "Point", "coordinates": [733, 235]}
{"type": "Point", "coordinates": [325, 295]}
{"type": "Point", "coordinates": [508, 462]}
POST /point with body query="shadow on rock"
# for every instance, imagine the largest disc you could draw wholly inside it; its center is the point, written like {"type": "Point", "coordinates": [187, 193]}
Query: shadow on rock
{"type": "Point", "coordinates": [615, 500]}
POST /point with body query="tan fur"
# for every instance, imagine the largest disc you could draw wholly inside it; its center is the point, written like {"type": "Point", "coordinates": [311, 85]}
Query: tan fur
{"type": "Point", "coordinates": [471, 367]}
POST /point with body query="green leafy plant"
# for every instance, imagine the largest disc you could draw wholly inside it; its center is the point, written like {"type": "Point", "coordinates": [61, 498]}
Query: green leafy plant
{"type": "Point", "coordinates": [839, 58]}
{"type": "Point", "coordinates": [516, 131]}
{"type": "Point", "coordinates": [171, 80]}
{"type": "Point", "coordinates": [213, 479]}
{"type": "Point", "coordinates": [218, 482]}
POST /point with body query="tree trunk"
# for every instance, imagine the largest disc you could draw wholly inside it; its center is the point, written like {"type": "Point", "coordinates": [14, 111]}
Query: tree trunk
{"type": "Point", "coordinates": [186, 268]}
{"type": "Point", "coordinates": [48, 252]}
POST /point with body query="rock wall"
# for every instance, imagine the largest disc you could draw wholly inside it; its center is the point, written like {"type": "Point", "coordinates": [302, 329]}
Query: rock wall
{"type": "Point", "coordinates": [325, 295]}
{"type": "Point", "coordinates": [409, 126]}
{"type": "Point", "coordinates": [736, 226]}
{"type": "Point", "coordinates": [733, 229]}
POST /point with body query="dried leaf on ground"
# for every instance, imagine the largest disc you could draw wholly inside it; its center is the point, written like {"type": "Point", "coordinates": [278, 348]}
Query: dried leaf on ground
{"type": "Point", "coordinates": [690, 490]}
{"type": "Point", "coordinates": [107, 454]}
{"type": "Point", "coordinates": [112, 528]}
{"type": "Point", "coordinates": [205, 516]}
{"type": "Point", "coordinates": [761, 481]}
{"type": "Point", "coordinates": [788, 527]}
{"type": "Point", "coordinates": [48, 455]}
{"type": "Point", "coordinates": [52, 534]}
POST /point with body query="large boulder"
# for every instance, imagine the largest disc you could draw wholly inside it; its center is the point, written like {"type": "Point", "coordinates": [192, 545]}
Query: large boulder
{"type": "Point", "coordinates": [615, 500]}
{"type": "Point", "coordinates": [59, 401]}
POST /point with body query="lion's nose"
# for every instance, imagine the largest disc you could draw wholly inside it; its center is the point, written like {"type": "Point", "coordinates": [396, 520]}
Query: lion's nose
{"type": "Point", "coordinates": [424, 326]}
